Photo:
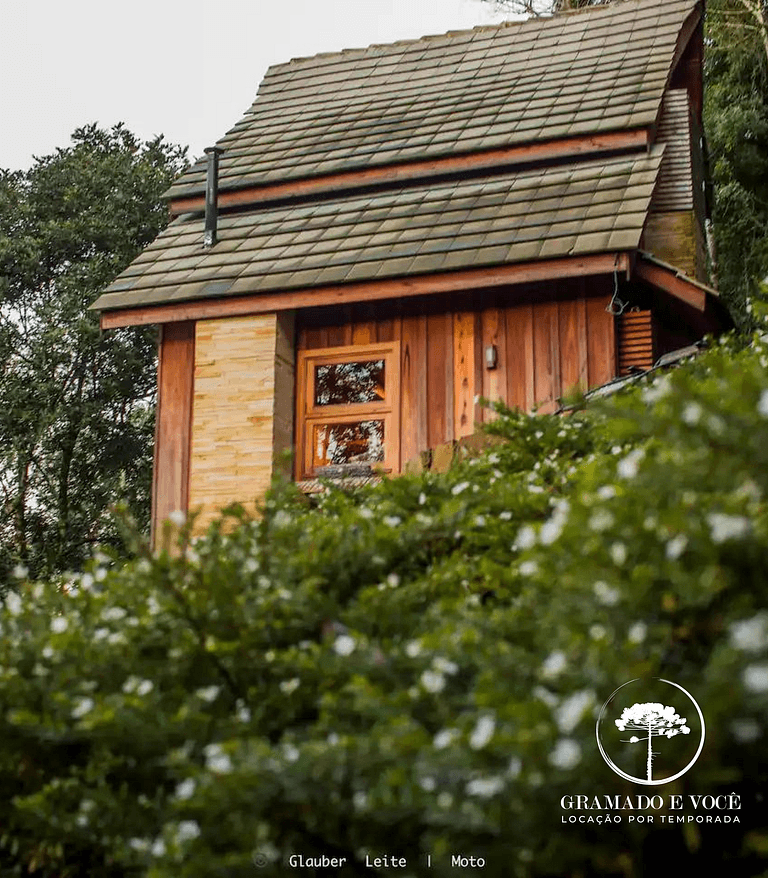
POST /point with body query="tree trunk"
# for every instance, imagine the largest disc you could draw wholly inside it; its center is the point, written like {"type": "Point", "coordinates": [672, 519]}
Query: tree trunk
{"type": "Point", "coordinates": [650, 751]}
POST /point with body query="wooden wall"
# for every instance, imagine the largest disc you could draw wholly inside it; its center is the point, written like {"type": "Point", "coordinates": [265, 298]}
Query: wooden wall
{"type": "Point", "coordinates": [544, 349]}
{"type": "Point", "coordinates": [239, 421]}
{"type": "Point", "coordinates": [175, 368]}
{"type": "Point", "coordinates": [674, 231]}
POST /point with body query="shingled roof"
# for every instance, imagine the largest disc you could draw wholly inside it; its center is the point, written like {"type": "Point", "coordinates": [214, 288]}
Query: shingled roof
{"type": "Point", "coordinates": [467, 94]}
{"type": "Point", "coordinates": [597, 70]}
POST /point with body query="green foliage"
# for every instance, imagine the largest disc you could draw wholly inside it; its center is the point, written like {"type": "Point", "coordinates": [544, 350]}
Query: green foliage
{"type": "Point", "coordinates": [414, 668]}
{"type": "Point", "coordinates": [736, 122]}
{"type": "Point", "coordinates": [76, 407]}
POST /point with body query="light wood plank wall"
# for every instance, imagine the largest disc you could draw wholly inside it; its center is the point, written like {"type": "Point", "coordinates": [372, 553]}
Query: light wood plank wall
{"type": "Point", "coordinates": [242, 411]}
{"type": "Point", "coordinates": [544, 349]}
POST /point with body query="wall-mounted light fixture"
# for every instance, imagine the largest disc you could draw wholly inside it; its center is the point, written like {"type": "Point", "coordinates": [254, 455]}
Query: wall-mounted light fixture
{"type": "Point", "coordinates": [491, 356]}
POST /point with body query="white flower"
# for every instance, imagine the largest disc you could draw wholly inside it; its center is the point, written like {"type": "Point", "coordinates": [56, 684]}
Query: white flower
{"type": "Point", "coordinates": [692, 413]}
{"type": "Point", "coordinates": [145, 687]}
{"type": "Point", "coordinates": [217, 760]}
{"type": "Point", "coordinates": [543, 694]}
{"type": "Point", "coordinates": [208, 693]}
{"type": "Point", "coordinates": [755, 678]}
{"type": "Point", "coordinates": [413, 648]}
{"type": "Point", "coordinates": [529, 568]}
{"type": "Point", "coordinates": [422, 498]}
{"type": "Point", "coordinates": [457, 489]}
{"type": "Point", "coordinates": [393, 580]}
{"type": "Point", "coordinates": [130, 685]}
{"type": "Point", "coordinates": [637, 632]}
{"type": "Point", "coordinates": [344, 645]}
{"type": "Point", "coordinates": [727, 527]}
{"type": "Point", "coordinates": [392, 520]}
{"type": "Point", "coordinates": [444, 801]}
{"type": "Point", "coordinates": [553, 664]}
{"type": "Point", "coordinates": [359, 800]}
{"type": "Point", "coordinates": [553, 527]}
{"type": "Point", "coordinates": [762, 405]}
{"type": "Point", "coordinates": [618, 553]}
{"type": "Point", "coordinates": [750, 635]}
{"type": "Point", "coordinates": [515, 767]}
{"type": "Point", "coordinates": [566, 754]}
{"type": "Point", "coordinates": [186, 789]}
{"type": "Point", "coordinates": [506, 515]}
{"type": "Point", "coordinates": [20, 572]}
{"type": "Point", "coordinates": [443, 739]}
{"type": "Point", "coordinates": [187, 830]}
{"type": "Point", "coordinates": [607, 492]}
{"type": "Point", "coordinates": [428, 784]}
{"type": "Point", "coordinates": [141, 845]}
{"type": "Point", "coordinates": [158, 848]}
{"type": "Point", "coordinates": [177, 517]}
{"type": "Point", "coordinates": [676, 546]}
{"type": "Point", "coordinates": [432, 681]}
{"type": "Point", "coordinates": [13, 603]}
{"type": "Point", "coordinates": [600, 520]}
{"type": "Point", "coordinates": [48, 652]}
{"type": "Point", "coordinates": [82, 707]}
{"type": "Point", "coordinates": [59, 625]}
{"type": "Point", "coordinates": [101, 634]}
{"type": "Point", "coordinates": [570, 712]}
{"type": "Point", "coordinates": [482, 733]}
{"type": "Point", "coordinates": [444, 665]}
{"type": "Point", "coordinates": [290, 753]}
{"type": "Point", "coordinates": [243, 713]}
{"type": "Point", "coordinates": [289, 686]}
{"type": "Point", "coordinates": [526, 537]}
{"type": "Point", "coordinates": [86, 581]}
{"type": "Point", "coordinates": [153, 607]}
{"type": "Point", "coordinates": [658, 390]}
{"type": "Point", "coordinates": [113, 614]}
{"type": "Point", "coordinates": [485, 787]}
{"type": "Point", "coordinates": [597, 631]}
{"type": "Point", "coordinates": [628, 466]}
{"type": "Point", "coordinates": [745, 730]}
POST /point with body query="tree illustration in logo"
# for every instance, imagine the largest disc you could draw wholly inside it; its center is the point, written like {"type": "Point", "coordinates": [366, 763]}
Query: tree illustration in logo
{"type": "Point", "coordinates": [656, 720]}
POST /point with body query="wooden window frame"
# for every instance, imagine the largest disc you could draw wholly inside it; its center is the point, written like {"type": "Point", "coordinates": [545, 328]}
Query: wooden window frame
{"type": "Point", "coordinates": [308, 414]}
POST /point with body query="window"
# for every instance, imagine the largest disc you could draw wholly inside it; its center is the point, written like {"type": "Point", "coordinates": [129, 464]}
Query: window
{"type": "Point", "coordinates": [347, 408]}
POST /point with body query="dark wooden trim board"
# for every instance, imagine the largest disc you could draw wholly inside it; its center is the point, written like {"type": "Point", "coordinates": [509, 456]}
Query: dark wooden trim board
{"type": "Point", "coordinates": [369, 291]}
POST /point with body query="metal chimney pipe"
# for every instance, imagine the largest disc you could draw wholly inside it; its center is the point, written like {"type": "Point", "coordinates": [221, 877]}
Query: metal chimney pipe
{"type": "Point", "coordinates": [211, 195]}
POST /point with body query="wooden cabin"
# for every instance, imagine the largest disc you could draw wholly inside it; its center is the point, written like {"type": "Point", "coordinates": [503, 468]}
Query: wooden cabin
{"type": "Point", "coordinates": [390, 233]}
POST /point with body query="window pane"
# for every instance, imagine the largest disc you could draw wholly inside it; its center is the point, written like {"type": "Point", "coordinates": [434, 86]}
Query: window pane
{"type": "Point", "coordinates": [345, 383]}
{"type": "Point", "coordinates": [358, 442]}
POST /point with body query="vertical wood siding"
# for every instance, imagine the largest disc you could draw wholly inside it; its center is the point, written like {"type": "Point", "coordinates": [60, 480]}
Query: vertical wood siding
{"type": "Point", "coordinates": [175, 370]}
{"type": "Point", "coordinates": [544, 349]}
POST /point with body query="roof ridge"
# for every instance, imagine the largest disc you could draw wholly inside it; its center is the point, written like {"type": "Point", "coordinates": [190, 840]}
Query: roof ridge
{"type": "Point", "coordinates": [479, 28]}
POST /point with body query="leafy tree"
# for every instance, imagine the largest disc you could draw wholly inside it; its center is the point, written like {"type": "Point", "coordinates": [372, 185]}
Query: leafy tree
{"type": "Point", "coordinates": [736, 122]}
{"type": "Point", "coordinates": [542, 7]}
{"type": "Point", "coordinates": [76, 406]}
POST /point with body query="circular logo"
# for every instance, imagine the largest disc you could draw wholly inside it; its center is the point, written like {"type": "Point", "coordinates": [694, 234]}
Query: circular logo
{"type": "Point", "coordinates": [650, 731]}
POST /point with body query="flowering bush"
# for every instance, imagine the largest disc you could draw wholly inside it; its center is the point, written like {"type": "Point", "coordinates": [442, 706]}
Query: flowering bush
{"type": "Point", "coordinates": [415, 668]}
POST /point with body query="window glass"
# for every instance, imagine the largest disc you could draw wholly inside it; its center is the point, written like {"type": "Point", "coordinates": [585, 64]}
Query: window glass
{"type": "Point", "coordinates": [356, 442]}
{"type": "Point", "coordinates": [346, 383]}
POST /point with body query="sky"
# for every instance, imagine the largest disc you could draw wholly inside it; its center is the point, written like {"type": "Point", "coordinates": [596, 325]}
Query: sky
{"type": "Point", "coordinates": [181, 68]}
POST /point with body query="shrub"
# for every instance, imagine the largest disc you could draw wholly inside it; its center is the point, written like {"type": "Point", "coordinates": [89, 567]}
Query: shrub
{"type": "Point", "coordinates": [414, 668]}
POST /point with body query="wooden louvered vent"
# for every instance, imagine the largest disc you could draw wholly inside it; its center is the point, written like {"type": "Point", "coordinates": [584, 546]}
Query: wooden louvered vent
{"type": "Point", "coordinates": [635, 338]}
